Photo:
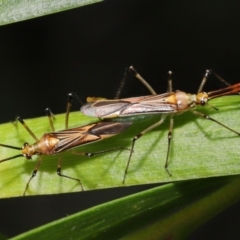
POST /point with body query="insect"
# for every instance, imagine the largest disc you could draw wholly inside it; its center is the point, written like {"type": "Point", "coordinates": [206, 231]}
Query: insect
{"type": "Point", "coordinates": [169, 104]}
{"type": "Point", "coordinates": [59, 141]}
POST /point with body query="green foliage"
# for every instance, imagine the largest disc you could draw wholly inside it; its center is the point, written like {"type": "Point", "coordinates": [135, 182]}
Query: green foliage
{"type": "Point", "coordinates": [14, 11]}
{"type": "Point", "coordinates": [199, 149]}
{"type": "Point", "coordinates": [171, 211]}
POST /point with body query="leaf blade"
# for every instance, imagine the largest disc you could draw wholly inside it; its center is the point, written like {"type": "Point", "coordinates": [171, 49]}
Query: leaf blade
{"type": "Point", "coordinates": [170, 211]}
{"type": "Point", "coordinates": [200, 149]}
{"type": "Point", "coordinates": [14, 11]}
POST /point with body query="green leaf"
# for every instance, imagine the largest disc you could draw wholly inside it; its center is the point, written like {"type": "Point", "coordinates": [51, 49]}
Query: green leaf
{"type": "Point", "coordinates": [171, 211]}
{"type": "Point", "coordinates": [15, 11]}
{"type": "Point", "coordinates": [199, 149]}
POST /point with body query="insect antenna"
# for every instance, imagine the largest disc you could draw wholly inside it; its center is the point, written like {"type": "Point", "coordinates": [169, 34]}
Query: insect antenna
{"type": "Point", "coordinates": [220, 78]}
{"type": "Point", "coordinates": [210, 105]}
{"type": "Point", "coordinates": [12, 147]}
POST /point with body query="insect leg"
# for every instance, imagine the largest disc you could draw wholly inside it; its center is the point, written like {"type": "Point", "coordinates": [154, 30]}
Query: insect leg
{"type": "Point", "coordinates": [138, 76]}
{"type": "Point", "coordinates": [142, 80]}
{"type": "Point", "coordinates": [136, 138]}
{"type": "Point", "coordinates": [122, 83]}
{"type": "Point", "coordinates": [169, 143]}
{"type": "Point", "coordinates": [69, 105]}
{"type": "Point", "coordinates": [27, 128]}
{"type": "Point", "coordinates": [170, 89]}
{"type": "Point", "coordinates": [204, 80]}
{"type": "Point", "coordinates": [206, 76]}
{"type": "Point", "coordinates": [50, 118]}
{"type": "Point", "coordinates": [34, 173]}
{"type": "Point", "coordinates": [91, 154]}
{"type": "Point", "coordinates": [207, 117]}
{"type": "Point", "coordinates": [59, 172]}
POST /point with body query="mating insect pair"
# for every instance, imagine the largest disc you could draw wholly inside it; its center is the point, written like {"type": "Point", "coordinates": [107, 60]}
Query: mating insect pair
{"type": "Point", "coordinates": [169, 103]}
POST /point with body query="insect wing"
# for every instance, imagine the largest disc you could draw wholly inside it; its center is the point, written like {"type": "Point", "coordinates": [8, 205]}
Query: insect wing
{"type": "Point", "coordinates": [71, 138]}
{"type": "Point", "coordinates": [103, 108]}
{"type": "Point", "coordinates": [152, 104]}
{"type": "Point", "coordinates": [79, 136]}
{"type": "Point", "coordinates": [108, 108]}
{"type": "Point", "coordinates": [107, 129]}
{"type": "Point", "coordinates": [149, 108]}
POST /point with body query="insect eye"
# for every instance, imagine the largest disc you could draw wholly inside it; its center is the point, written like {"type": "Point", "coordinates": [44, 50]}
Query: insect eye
{"type": "Point", "coordinates": [27, 156]}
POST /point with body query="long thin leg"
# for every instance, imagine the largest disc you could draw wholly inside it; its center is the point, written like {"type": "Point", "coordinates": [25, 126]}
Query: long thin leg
{"type": "Point", "coordinates": [27, 128]}
{"type": "Point", "coordinates": [207, 117]}
{"type": "Point", "coordinates": [88, 154]}
{"type": "Point", "coordinates": [50, 118]}
{"type": "Point", "coordinates": [169, 144]}
{"type": "Point", "coordinates": [142, 80]}
{"type": "Point", "coordinates": [69, 105]}
{"type": "Point", "coordinates": [59, 169]}
{"type": "Point", "coordinates": [206, 76]}
{"type": "Point", "coordinates": [122, 83]}
{"type": "Point", "coordinates": [204, 80]}
{"type": "Point", "coordinates": [136, 138]}
{"type": "Point", "coordinates": [170, 88]}
{"type": "Point", "coordinates": [34, 173]}
{"type": "Point", "coordinates": [138, 76]}
{"type": "Point", "coordinates": [91, 154]}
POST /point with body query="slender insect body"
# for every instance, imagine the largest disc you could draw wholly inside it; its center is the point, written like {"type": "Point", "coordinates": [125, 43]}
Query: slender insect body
{"type": "Point", "coordinates": [57, 142]}
{"type": "Point", "coordinates": [167, 104]}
